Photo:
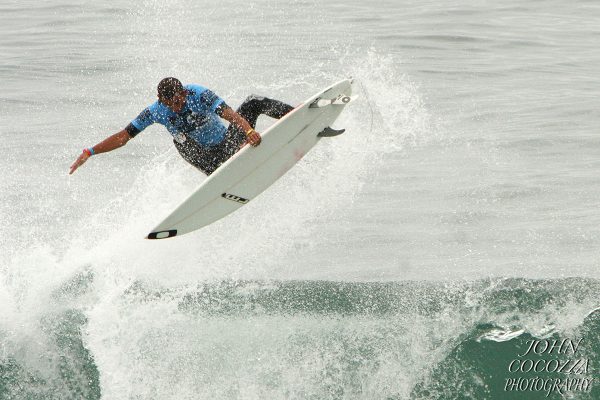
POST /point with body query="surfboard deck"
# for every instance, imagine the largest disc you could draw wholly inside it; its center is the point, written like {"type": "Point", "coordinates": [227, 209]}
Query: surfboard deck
{"type": "Point", "coordinates": [253, 169]}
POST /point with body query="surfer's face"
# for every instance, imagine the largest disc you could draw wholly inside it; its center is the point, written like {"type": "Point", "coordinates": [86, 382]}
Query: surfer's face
{"type": "Point", "coordinates": [175, 103]}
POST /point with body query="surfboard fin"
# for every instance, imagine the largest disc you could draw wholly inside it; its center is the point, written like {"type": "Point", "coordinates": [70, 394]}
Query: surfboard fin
{"type": "Point", "coordinates": [328, 132]}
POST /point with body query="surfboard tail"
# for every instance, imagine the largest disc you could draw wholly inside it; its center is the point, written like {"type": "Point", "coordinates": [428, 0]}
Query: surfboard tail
{"type": "Point", "coordinates": [340, 100]}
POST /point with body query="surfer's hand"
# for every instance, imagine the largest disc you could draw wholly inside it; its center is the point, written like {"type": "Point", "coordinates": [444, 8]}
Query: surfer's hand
{"type": "Point", "coordinates": [79, 162]}
{"type": "Point", "coordinates": [253, 138]}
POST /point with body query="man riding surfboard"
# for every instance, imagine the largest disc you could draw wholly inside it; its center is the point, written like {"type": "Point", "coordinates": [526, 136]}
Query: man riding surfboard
{"type": "Point", "coordinates": [192, 115]}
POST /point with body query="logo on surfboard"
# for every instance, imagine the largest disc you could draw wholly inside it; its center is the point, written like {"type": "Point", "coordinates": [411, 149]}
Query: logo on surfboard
{"type": "Point", "coordinates": [233, 197]}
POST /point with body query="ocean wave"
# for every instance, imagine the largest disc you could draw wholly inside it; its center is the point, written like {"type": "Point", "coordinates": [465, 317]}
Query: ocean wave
{"type": "Point", "coordinates": [295, 339]}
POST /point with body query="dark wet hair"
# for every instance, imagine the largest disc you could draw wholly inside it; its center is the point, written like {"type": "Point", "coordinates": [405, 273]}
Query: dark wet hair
{"type": "Point", "coordinates": [169, 87]}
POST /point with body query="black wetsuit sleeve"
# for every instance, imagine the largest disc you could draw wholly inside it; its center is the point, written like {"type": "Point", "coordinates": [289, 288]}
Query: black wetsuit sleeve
{"type": "Point", "coordinates": [221, 108]}
{"type": "Point", "coordinates": [141, 122]}
{"type": "Point", "coordinates": [132, 130]}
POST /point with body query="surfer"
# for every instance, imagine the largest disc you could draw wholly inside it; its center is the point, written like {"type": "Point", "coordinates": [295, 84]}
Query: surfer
{"type": "Point", "coordinates": [191, 115]}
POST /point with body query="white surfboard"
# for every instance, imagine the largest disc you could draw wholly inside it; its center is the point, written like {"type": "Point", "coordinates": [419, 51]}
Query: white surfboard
{"type": "Point", "coordinates": [253, 169]}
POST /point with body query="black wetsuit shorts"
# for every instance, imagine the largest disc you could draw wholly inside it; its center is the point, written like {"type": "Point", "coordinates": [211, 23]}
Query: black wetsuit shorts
{"type": "Point", "coordinates": [208, 158]}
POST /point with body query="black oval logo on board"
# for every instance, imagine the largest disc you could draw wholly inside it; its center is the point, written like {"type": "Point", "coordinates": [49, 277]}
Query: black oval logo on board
{"type": "Point", "coordinates": [162, 234]}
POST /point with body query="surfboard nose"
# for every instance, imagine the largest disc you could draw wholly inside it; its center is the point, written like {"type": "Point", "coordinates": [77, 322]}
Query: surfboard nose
{"type": "Point", "coordinates": [162, 234]}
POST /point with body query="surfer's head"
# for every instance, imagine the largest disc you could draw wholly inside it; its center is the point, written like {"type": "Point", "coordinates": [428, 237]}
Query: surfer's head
{"type": "Point", "coordinates": [172, 93]}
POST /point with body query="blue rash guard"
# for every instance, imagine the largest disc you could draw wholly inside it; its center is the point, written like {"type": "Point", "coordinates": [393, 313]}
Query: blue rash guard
{"type": "Point", "coordinates": [198, 120]}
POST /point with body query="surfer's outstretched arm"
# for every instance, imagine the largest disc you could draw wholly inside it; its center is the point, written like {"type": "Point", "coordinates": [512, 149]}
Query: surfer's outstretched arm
{"type": "Point", "coordinates": [110, 143]}
{"type": "Point", "coordinates": [239, 121]}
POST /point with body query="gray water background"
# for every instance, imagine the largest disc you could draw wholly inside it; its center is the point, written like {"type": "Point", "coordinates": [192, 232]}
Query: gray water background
{"type": "Point", "coordinates": [497, 176]}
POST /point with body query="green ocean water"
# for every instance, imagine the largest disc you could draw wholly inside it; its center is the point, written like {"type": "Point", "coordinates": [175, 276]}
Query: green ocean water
{"type": "Point", "coordinates": [392, 340]}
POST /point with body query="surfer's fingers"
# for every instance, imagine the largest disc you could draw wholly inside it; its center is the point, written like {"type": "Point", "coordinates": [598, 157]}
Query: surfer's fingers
{"type": "Point", "coordinates": [80, 160]}
{"type": "Point", "coordinates": [254, 139]}
{"type": "Point", "coordinates": [74, 167]}
{"type": "Point", "coordinates": [75, 164]}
